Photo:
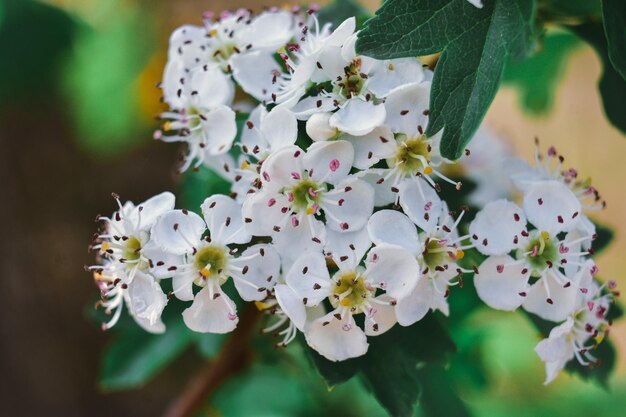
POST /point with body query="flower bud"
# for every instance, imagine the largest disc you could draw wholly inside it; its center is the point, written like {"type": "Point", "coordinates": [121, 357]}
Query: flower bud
{"type": "Point", "coordinates": [318, 128]}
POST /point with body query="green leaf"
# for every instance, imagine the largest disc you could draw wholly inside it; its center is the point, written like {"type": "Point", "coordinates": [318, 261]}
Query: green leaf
{"type": "Point", "coordinates": [339, 10]}
{"type": "Point", "coordinates": [135, 356]}
{"type": "Point", "coordinates": [538, 76]}
{"type": "Point", "coordinates": [614, 16]}
{"type": "Point", "coordinates": [209, 344]}
{"type": "Point", "coordinates": [391, 366]}
{"type": "Point", "coordinates": [604, 237]}
{"type": "Point", "coordinates": [475, 44]}
{"type": "Point", "coordinates": [439, 397]}
{"type": "Point", "coordinates": [612, 86]}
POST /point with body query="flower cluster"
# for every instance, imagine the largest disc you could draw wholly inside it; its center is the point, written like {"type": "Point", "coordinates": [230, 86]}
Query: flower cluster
{"type": "Point", "coordinates": [335, 224]}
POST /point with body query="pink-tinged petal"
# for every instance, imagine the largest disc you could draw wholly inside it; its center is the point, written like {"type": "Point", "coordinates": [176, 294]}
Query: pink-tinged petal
{"type": "Point", "coordinates": [211, 314]}
{"type": "Point", "coordinates": [336, 340]}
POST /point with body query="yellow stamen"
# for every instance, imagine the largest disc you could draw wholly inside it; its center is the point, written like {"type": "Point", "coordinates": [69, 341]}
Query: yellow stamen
{"type": "Point", "coordinates": [205, 272]}
{"type": "Point", "coordinates": [245, 164]}
{"type": "Point", "coordinates": [105, 246]}
{"type": "Point", "coordinates": [545, 235]}
{"type": "Point", "coordinates": [167, 126]}
{"type": "Point", "coordinates": [213, 32]}
{"type": "Point", "coordinates": [260, 305]}
{"type": "Point", "coordinates": [428, 170]}
{"type": "Point", "coordinates": [460, 254]}
{"type": "Point", "coordinates": [345, 302]}
{"type": "Point", "coordinates": [391, 67]}
{"type": "Point", "coordinates": [599, 339]}
{"type": "Point", "coordinates": [309, 210]}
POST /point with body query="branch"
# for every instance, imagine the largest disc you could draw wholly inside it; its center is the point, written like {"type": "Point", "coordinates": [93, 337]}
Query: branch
{"type": "Point", "coordinates": [232, 358]}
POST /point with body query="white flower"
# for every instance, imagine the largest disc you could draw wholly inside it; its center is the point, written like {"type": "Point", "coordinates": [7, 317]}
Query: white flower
{"type": "Point", "coordinates": [551, 193]}
{"type": "Point", "coordinates": [303, 57]}
{"type": "Point", "coordinates": [298, 188]}
{"type": "Point", "coordinates": [126, 234]}
{"type": "Point", "coordinates": [390, 270]}
{"type": "Point", "coordinates": [268, 132]}
{"type": "Point", "coordinates": [437, 249]}
{"type": "Point", "coordinates": [142, 295]}
{"type": "Point", "coordinates": [200, 114]}
{"type": "Point", "coordinates": [502, 282]}
{"type": "Point", "coordinates": [359, 86]}
{"type": "Point", "coordinates": [587, 323]}
{"type": "Point", "coordinates": [208, 261]}
{"type": "Point", "coordinates": [238, 44]}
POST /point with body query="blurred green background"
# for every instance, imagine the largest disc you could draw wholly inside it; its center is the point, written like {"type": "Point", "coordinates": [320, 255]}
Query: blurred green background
{"type": "Point", "coordinates": [77, 101]}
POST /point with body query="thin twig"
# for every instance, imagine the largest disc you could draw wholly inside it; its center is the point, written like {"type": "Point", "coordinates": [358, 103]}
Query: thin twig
{"type": "Point", "coordinates": [232, 358]}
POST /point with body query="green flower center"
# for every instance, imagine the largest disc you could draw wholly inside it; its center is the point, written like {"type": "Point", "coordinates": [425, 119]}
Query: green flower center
{"type": "Point", "coordinates": [541, 251]}
{"type": "Point", "coordinates": [412, 155]}
{"type": "Point", "coordinates": [132, 249]}
{"type": "Point", "coordinates": [350, 291]}
{"type": "Point", "coordinates": [210, 261]}
{"type": "Point", "coordinates": [305, 194]}
{"type": "Point", "coordinates": [352, 82]}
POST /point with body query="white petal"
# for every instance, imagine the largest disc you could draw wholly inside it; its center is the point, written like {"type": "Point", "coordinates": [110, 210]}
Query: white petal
{"type": "Point", "coordinates": [501, 290]}
{"type": "Point", "coordinates": [330, 65]}
{"type": "Point", "coordinates": [394, 228]}
{"type": "Point", "coordinates": [292, 242]}
{"type": "Point", "coordinates": [414, 307]}
{"type": "Point", "coordinates": [371, 148]}
{"type": "Point", "coordinates": [420, 202]}
{"type": "Point", "coordinates": [280, 128]}
{"type": "Point", "coordinates": [498, 225]}
{"type": "Point", "coordinates": [161, 260]}
{"type": "Point", "coordinates": [225, 221]}
{"type": "Point", "coordinates": [405, 108]}
{"type": "Point", "coordinates": [388, 75]}
{"type": "Point", "coordinates": [383, 195]}
{"type": "Point", "coordinates": [382, 318]}
{"type": "Point", "coordinates": [358, 117]}
{"type": "Point", "coordinates": [563, 300]}
{"type": "Point", "coordinates": [146, 301]}
{"type": "Point", "coordinates": [277, 169]}
{"type": "Point", "coordinates": [174, 71]}
{"type": "Point", "coordinates": [270, 30]}
{"type": "Point", "coordinates": [253, 137]}
{"type": "Point", "coordinates": [255, 72]}
{"type": "Point", "coordinates": [308, 277]}
{"type": "Point", "coordinates": [393, 269]}
{"type": "Point", "coordinates": [262, 212]}
{"type": "Point", "coordinates": [336, 340]}
{"type": "Point", "coordinates": [309, 106]}
{"type": "Point", "coordinates": [349, 246]}
{"type": "Point", "coordinates": [349, 206]}
{"type": "Point", "coordinates": [152, 208]}
{"type": "Point", "coordinates": [178, 231]}
{"type": "Point", "coordinates": [211, 315]}
{"type": "Point", "coordinates": [182, 285]}
{"type": "Point", "coordinates": [291, 305]}
{"type": "Point", "coordinates": [219, 129]}
{"type": "Point", "coordinates": [551, 206]}
{"type": "Point", "coordinates": [342, 32]}
{"type": "Point", "coordinates": [261, 272]}
{"type": "Point", "coordinates": [209, 88]}
{"type": "Point", "coordinates": [318, 127]}
{"type": "Point", "coordinates": [331, 161]}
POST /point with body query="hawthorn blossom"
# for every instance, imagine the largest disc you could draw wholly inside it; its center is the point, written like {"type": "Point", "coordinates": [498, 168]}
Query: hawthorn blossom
{"type": "Point", "coordinates": [359, 86]}
{"type": "Point", "coordinates": [557, 264]}
{"type": "Point", "coordinates": [268, 132]}
{"type": "Point", "coordinates": [437, 247]}
{"type": "Point", "coordinates": [301, 58]}
{"type": "Point", "coordinates": [142, 295]}
{"type": "Point", "coordinates": [583, 329]}
{"type": "Point", "coordinates": [200, 115]}
{"type": "Point", "coordinates": [298, 188]}
{"type": "Point", "coordinates": [191, 256]}
{"type": "Point", "coordinates": [551, 192]}
{"type": "Point", "coordinates": [237, 43]}
{"type": "Point", "coordinates": [390, 273]}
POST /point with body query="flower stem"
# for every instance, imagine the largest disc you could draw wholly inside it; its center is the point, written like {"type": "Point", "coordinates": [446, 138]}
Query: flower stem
{"type": "Point", "coordinates": [233, 358]}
